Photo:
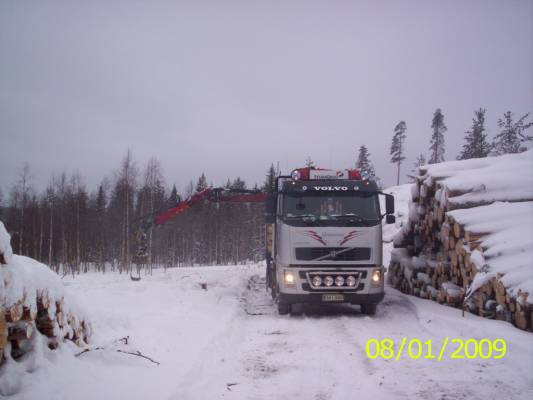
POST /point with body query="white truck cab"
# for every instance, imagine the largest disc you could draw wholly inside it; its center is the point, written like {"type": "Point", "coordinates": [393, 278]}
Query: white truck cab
{"type": "Point", "coordinates": [324, 240]}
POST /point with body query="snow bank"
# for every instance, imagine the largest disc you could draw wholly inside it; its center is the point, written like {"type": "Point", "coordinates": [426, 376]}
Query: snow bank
{"type": "Point", "coordinates": [32, 296]}
{"type": "Point", "coordinates": [5, 245]}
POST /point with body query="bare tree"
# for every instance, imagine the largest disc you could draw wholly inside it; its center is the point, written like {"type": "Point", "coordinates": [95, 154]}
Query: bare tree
{"type": "Point", "coordinates": [125, 187]}
{"type": "Point", "coordinates": [50, 198]}
{"type": "Point", "coordinates": [20, 195]}
{"type": "Point", "coordinates": [152, 197]}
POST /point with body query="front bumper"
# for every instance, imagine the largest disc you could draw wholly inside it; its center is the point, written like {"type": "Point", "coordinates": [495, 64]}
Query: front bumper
{"type": "Point", "coordinates": [316, 298]}
{"type": "Point", "coordinates": [363, 293]}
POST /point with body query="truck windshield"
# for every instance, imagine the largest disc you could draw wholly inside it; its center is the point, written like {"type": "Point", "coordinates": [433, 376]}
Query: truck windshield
{"type": "Point", "coordinates": [353, 209]}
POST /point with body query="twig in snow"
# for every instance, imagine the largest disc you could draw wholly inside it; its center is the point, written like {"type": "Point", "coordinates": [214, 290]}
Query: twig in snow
{"type": "Point", "coordinates": [87, 350]}
{"type": "Point", "coordinates": [253, 313]}
{"type": "Point", "coordinates": [229, 385]}
{"type": "Point", "coordinates": [138, 354]}
{"type": "Point", "coordinates": [124, 340]}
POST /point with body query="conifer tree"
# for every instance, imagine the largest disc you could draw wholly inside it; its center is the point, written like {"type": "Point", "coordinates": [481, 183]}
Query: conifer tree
{"type": "Point", "coordinates": [174, 198]}
{"type": "Point", "coordinates": [476, 145]}
{"type": "Point", "coordinates": [201, 184]}
{"type": "Point", "coordinates": [437, 138]}
{"type": "Point", "coordinates": [397, 150]}
{"type": "Point", "coordinates": [309, 163]}
{"type": "Point", "coordinates": [420, 160]}
{"type": "Point", "coordinates": [270, 181]}
{"type": "Point", "coordinates": [238, 184]}
{"type": "Point", "coordinates": [512, 135]}
{"type": "Point", "coordinates": [364, 164]}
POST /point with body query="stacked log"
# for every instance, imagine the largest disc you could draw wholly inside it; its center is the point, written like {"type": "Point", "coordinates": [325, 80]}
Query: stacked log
{"type": "Point", "coordinates": [440, 255]}
{"type": "Point", "coordinates": [33, 311]}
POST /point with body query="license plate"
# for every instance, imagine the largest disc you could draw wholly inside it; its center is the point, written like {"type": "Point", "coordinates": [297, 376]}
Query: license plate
{"type": "Point", "coordinates": [332, 297]}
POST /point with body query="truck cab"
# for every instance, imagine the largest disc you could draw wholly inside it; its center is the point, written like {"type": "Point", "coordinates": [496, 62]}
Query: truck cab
{"type": "Point", "coordinates": [324, 240]}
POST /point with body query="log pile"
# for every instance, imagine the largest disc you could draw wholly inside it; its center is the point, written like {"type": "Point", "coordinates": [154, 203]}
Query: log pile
{"type": "Point", "coordinates": [449, 251]}
{"type": "Point", "coordinates": [27, 310]}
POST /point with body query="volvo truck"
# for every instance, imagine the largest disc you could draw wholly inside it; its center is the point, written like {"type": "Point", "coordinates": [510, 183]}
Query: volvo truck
{"type": "Point", "coordinates": [324, 239]}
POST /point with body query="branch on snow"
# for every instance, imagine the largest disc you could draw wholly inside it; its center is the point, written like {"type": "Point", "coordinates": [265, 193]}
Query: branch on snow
{"type": "Point", "coordinates": [123, 340]}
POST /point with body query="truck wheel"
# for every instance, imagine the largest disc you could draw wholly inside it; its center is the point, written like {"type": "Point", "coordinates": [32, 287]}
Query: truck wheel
{"type": "Point", "coordinates": [283, 308]}
{"type": "Point", "coordinates": [369, 309]}
{"type": "Point", "coordinates": [296, 309]}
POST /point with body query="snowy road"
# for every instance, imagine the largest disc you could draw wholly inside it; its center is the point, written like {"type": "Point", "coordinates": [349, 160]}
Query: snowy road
{"type": "Point", "coordinates": [209, 347]}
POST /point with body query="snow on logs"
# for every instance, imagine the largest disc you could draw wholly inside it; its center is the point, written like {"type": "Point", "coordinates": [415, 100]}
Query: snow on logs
{"type": "Point", "coordinates": [32, 299]}
{"type": "Point", "coordinates": [468, 241]}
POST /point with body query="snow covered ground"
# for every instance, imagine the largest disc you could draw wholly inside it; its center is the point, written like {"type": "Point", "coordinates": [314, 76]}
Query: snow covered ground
{"type": "Point", "coordinates": [228, 342]}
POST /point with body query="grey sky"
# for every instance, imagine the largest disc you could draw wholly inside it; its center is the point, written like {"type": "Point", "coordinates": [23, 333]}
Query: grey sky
{"type": "Point", "coordinates": [227, 87]}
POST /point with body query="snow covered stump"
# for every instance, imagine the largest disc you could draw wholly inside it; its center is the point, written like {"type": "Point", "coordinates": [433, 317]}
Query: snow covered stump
{"type": "Point", "coordinates": [468, 241]}
{"type": "Point", "coordinates": [32, 302]}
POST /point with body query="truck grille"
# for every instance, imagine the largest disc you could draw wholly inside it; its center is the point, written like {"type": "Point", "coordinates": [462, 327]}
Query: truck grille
{"type": "Point", "coordinates": [332, 253]}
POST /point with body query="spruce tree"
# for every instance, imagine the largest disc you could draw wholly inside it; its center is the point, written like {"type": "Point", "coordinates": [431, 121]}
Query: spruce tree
{"type": "Point", "coordinates": [201, 184]}
{"type": "Point", "coordinates": [173, 198]}
{"type": "Point", "coordinates": [270, 181]}
{"type": "Point", "coordinates": [396, 150]}
{"type": "Point", "coordinates": [238, 184]}
{"type": "Point", "coordinates": [512, 135]}
{"type": "Point", "coordinates": [437, 138]}
{"type": "Point", "coordinates": [364, 164]}
{"type": "Point", "coordinates": [476, 145]}
{"type": "Point", "coordinates": [420, 160]}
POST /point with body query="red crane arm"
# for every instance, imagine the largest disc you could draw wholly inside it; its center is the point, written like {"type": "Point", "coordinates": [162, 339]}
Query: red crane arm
{"type": "Point", "coordinates": [211, 194]}
{"type": "Point", "coordinates": [182, 206]}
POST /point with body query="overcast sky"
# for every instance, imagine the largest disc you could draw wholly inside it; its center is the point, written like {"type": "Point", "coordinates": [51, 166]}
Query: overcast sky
{"type": "Point", "coordinates": [227, 87]}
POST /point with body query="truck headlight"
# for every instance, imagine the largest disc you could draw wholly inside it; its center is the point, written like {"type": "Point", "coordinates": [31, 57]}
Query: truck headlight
{"type": "Point", "coordinates": [289, 278]}
{"type": "Point", "coordinates": [317, 280]}
{"type": "Point", "coordinates": [350, 281]}
{"type": "Point", "coordinates": [376, 277]}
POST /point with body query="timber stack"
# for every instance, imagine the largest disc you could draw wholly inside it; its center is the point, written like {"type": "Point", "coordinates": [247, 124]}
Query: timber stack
{"type": "Point", "coordinates": [468, 241]}
{"type": "Point", "coordinates": [33, 306]}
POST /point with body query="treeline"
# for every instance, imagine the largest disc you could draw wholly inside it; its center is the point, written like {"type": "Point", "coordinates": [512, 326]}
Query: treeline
{"type": "Point", "coordinates": [73, 229]}
{"type": "Point", "coordinates": [511, 138]}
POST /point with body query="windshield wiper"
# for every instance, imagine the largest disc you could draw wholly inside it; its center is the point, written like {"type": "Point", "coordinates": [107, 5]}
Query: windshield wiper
{"type": "Point", "coordinates": [308, 218]}
{"type": "Point", "coordinates": [352, 216]}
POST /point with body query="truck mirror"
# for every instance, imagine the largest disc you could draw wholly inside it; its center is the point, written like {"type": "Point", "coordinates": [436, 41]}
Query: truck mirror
{"type": "Point", "coordinates": [389, 204]}
{"type": "Point", "coordinates": [390, 219]}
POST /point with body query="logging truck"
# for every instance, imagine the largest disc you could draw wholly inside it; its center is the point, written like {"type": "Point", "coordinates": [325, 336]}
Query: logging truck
{"type": "Point", "coordinates": [324, 239]}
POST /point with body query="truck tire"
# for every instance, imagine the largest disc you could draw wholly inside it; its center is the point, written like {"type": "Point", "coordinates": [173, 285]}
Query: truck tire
{"type": "Point", "coordinates": [283, 308]}
{"type": "Point", "coordinates": [369, 309]}
{"type": "Point", "coordinates": [296, 309]}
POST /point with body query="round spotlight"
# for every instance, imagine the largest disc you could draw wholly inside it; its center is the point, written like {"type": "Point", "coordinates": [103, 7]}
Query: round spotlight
{"type": "Point", "coordinates": [295, 175]}
{"type": "Point", "coordinates": [339, 281]}
{"type": "Point", "coordinates": [328, 281]}
{"type": "Point", "coordinates": [351, 281]}
{"type": "Point", "coordinates": [317, 280]}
